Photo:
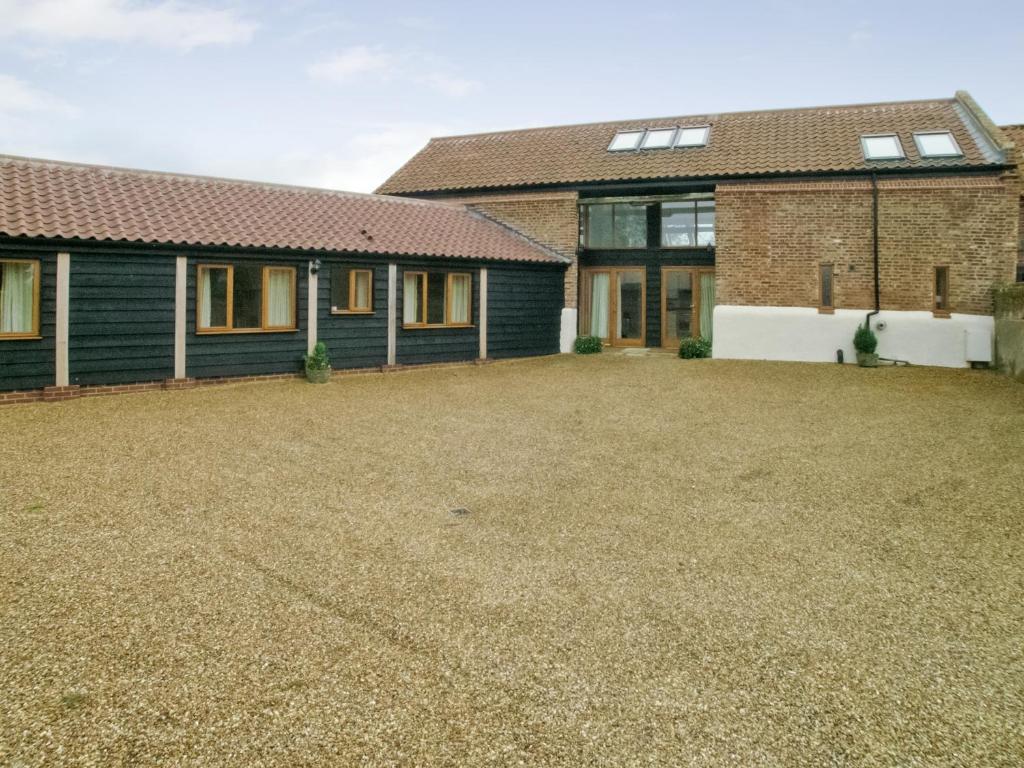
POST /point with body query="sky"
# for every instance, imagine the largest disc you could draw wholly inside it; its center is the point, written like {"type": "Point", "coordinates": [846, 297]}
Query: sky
{"type": "Point", "coordinates": [340, 94]}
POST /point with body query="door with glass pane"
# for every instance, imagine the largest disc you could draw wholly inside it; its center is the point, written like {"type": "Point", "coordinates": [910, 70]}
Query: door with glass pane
{"type": "Point", "coordinates": [613, 306]}
{"type": "Point", "coordinates": [687, 304]}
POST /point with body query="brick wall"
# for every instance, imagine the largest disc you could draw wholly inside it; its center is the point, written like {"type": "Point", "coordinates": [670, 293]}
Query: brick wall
{"type": "Point", "coordinates": [550, 218]}
{"type": "Point", "coordinates": [771, 238]}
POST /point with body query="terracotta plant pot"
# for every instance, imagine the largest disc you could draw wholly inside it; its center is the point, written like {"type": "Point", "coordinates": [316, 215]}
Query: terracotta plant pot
{"type": "Point", "coordinates": [318, 375]}
{"type": "Point", "coordinates": [867, 359]}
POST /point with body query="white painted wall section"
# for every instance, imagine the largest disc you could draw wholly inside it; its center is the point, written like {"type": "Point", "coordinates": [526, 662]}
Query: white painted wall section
{"type": "Point", "coordinates": [312, 283]}
{"type": "Point", "coordinates": [483, 313]}
{"type": "Point", "coordinates": [63, 318]}
{"type": "Point", "coordinates": [392, 313]}
{"type": "Point", "coordinates": [567, 336]}
{"type": "Point", "coordinates": [803, 334]}
{"type": "Point", "coordinates": [180, 294]}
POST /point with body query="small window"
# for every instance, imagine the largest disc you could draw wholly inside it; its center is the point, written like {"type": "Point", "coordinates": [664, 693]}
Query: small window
{"type": "Point", "coordinates": [19, 298]}
{"type": "Point", "coordinates": [245, 298]}
{"type": "Point", "coordinates": [882, 147]}
{"type": "Point", "coordinates": [937, 144]}
{"type": "Point", "coordinates": [825, 280]}
{"type": "Point", "coordinates": [625, 140]}
{"type": "Point", "coordinates": [351, 290]}
{"type": "Point", "coordinates": [693, 137]}
{"type": "Point", "coordinates": [941, 306]}
{"type": "Point", "coordinates": [688, 224]}
{"type": "Point", "coordinates": [436, 299]}
{"type": "Point", "coordinates": [660, 138]}
{"type": "Point", "coordinates": [615, 225]}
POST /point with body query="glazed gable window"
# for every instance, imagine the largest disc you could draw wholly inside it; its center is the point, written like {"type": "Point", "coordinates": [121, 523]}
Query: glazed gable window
{"type": "Point", "coordinates": [244, 298]}
{"type": "Point", "coordinates": [688, 224]}
{"type": "Point", "coordinates": [351, 290]}
{"type": "Point", "coordinates": [19, 298]}
{"type": "Point", "coordinates": [614, 225]}
{"type": "Point", "coordinates": [436, 299]}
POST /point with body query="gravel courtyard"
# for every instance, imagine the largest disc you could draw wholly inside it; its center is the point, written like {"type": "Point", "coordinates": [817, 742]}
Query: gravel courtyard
{"type": "Point", "coordinates": [665, 562]}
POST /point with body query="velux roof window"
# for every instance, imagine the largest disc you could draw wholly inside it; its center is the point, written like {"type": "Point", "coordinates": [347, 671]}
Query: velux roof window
{"type": "Point", "coordinates": [660, 138]}
{"type": "Point", "coordinates": [882, 146]}
{"type": "Point", "coordinates": [692, 137]}
{"type": "Point", "coordinates": [625, 141]}
{"type": "Point", "coordinates": [937, 144]}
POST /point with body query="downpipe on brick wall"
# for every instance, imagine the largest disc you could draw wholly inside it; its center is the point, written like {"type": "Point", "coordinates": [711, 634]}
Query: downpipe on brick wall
{"type": "Point", "coordinates": [874, 250]}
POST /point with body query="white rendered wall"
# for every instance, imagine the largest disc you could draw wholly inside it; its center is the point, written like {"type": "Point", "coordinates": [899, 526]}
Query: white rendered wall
{"type": "Point", "coordinates": [804, 334]}
{"type": "Point", "coordinates": [568, 333]}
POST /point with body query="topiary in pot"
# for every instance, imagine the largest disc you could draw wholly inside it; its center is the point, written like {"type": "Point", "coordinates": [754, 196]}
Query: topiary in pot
{"type": "Point", "coordinates": [587, 345]}
{"type": "Point", "coordinates": [318, 366]}
{"type": "Point", "coordinates": [693, 348]}
{"type": "Point", "coordinates": [865, 342]}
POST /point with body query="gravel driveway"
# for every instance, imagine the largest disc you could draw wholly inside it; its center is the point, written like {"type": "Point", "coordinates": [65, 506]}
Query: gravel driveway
{"type": "Point", "coordinates": [664, 562]}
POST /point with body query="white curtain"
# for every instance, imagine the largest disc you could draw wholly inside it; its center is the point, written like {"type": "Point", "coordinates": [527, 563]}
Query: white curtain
{"type": "Point", "coordinates": [206, 302]}
{"type": "Point", "coordinates": [362, 290]}
{"type": "Point", "coordinates": [460, 299]}
{"type": "Point", "coordinates": [707, 304]}
{"type": "Point", "coordinates": [279, 298]}
{"type": "Point", "coordinates": [410, 299]}
{"type": "Point", "coordinates": [17, 291]}
{"type": "Point", "coordinates": [599, 305]}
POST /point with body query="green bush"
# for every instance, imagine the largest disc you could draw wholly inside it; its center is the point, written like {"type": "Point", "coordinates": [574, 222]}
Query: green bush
{"type": "Point", "coordinates": [694, 348]}
{"type": "Point", "coordinates": [588, 345]}
{"type": "Point", "coordinates": [864, 340]}
{"type": "Point", "coordinates": [318, 361]}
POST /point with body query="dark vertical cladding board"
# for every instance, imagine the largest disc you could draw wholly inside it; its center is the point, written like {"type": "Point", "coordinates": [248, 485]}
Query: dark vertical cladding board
{"type": "Point", "coordinates": [121, 318]}
{"type": "Point", "coordinates": [246, 354]}
{"type": "Point", "coordinates": [30, 363]}
{"type": "Point", "coordinates": [652, 260]}
{"type": "Point", "coordinates": [417, 346]}
{"type": "Point", "coordinates": [524, 309]}
{"type": "Point", "coordinates": [354, 341]}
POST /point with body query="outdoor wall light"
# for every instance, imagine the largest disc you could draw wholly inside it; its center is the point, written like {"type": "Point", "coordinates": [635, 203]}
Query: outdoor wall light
{"type": "Point", "coordinates": [314, 267]}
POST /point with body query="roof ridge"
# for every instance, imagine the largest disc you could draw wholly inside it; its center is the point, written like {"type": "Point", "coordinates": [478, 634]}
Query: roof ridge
{"type": "Point", "coordinates": [866, 105]}
{"type": "Point", "coordinates": [226, 180]}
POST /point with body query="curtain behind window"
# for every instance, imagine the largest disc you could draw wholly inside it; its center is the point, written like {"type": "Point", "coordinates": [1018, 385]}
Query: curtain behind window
{"type": "Point", "coordinates": [707, 304]}
{"type": "Point", "coordinates": [460, 299]}
{"type": "Point", "coordinates": [17, 290]}
{"type": "Point", "coordinates": [362, 290]}
{"type": "Point", "coordinates": [411, 299]}
{"type": "Point", "coordinates": [206, 303]}
{"type": "Point", "coordinates": [279, 298]}
{"type": "Point", "coordinates": [599, 305]}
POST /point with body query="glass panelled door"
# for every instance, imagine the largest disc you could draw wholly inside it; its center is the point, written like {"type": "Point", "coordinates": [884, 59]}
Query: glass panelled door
{"type": "Point", "coordinates": [614, 302]}
{"type": "Point", "coordinates": [687, 303]}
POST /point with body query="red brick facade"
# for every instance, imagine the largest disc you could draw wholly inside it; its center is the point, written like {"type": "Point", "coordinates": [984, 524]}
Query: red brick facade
{"type": "Point", "coordinates": [772, 237]}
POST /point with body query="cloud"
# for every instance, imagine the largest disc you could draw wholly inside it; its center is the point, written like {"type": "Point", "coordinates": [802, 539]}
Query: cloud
{"type": "Point", "coordinates": [167, 23]}
{"type": "Point", "coordinates": [362, 62]}
{"type": "Point", "coordinates": [17, 96]}
{"type": "Point", "coordinates": [354, 62]}
{"type": "Point", "coordinates": [861, 35]}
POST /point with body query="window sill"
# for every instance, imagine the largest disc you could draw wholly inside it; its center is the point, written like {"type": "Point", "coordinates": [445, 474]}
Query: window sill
{"type": "Point", "coordinates": [352, 311]}
{"type": "Point", "coordinates": [942, 314]}
{"type": "Point", "coordinates": [20, 337]}
{"type": "Point", "coordinates": [424, 327]}
{"type": "Point", "coordinates": [241, 331]}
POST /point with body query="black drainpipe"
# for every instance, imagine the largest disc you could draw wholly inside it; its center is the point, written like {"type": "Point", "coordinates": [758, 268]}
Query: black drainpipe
{"type": "Point", "coordinates": [874, 248]}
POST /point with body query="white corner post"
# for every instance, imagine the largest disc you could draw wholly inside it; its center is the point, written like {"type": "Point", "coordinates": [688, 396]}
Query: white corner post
{"type": "Point", "coordinates": [63, 317]}
{"type": "Point", "coordinates": [180, 299]}
{"type": "Point", "coordinates": [392, 313]}
{"type": "Point", "coordinates": [483, 313]}
{"type": "Point", "coordinates": [568, 330]}
{"type": "Point", "coordinates": [312, 281]}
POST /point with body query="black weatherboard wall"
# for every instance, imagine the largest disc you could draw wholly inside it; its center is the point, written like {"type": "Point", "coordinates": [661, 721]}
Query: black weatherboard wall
{"type": "Point", "coordinates": [524, 309]}
{"type": "Point", "coordinates": [415, 346]}
{"type": "Point", "coordinates": [30, 363]}
{"type": "Point", "coordinates": [354, 340]}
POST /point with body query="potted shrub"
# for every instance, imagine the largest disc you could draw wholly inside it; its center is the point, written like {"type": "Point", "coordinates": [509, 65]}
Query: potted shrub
{"type": "Point", "coordinates": [588, 345]}
{"type": "Point", "coordinates": [693, 348]}
{"type": "Point", "coordinates": [318, 366]}
{"type": "Point", "coordinates": [865, 342]}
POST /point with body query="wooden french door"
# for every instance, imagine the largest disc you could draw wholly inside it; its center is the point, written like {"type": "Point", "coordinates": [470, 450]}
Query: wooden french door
{"type": "Point", "coordinates": [687, 301]}
{"type": "Point", "coordinates": [614, 305]}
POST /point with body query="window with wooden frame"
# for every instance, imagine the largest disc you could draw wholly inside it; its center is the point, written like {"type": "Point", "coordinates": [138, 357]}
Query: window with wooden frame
{"type": "Point", "coordinates": [351, 291]}
{"type": "Point", "coordinates": [19, 298]}
{"type": "Point", "coordinates": [613, 225]}
{"type": "Point", "coordinates": [940, 308]}
{"type": "Point", "coordinates": [826, 283]}
{"type": "Point", "coordinates": [245, 298]}
{"type": "Point", "coordinates": [437, 299]}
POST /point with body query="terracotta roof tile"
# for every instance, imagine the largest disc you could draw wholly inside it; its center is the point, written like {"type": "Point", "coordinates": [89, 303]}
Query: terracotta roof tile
{"type": "Point", "coordinates": [819, 139]}
{"type": "Point", "coordinates": [41, 198]}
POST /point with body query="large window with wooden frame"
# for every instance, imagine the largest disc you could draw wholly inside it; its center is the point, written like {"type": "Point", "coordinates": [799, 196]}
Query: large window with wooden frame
{"type": "Point", "coordinates": [244, 298]}
{"type": "Point", "coordinates": [940, 307]}
{"type": "Point", "coordinates": [437, 299]}
{"type": "Point", "coordinates": [826, 279]}
{"type": "Point", "coordinates": [351, 291]}
{"type": "Point", "coordinates": [19, 298]}
{"type": "Point", "coordinates": [614, 225]}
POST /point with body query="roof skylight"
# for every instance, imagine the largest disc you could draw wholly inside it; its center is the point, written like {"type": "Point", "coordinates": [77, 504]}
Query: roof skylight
{"type": "Point", "coordinates": [625, 140]}
{"type": "Point", "coordinates": [937, 144]}
{"type": "Point", "coordinates": [882, 146]}
{"type": "Point", "coordinates": [696, 136]}
{"type": "Point", "coordinates": [658, 138]}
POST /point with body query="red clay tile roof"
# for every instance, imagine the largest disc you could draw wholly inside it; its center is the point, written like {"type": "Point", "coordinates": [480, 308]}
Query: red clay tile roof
{"type": "Point", "coordinates": [819, 139]}
{"type": "Point", "coordinates": [40, 198]}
